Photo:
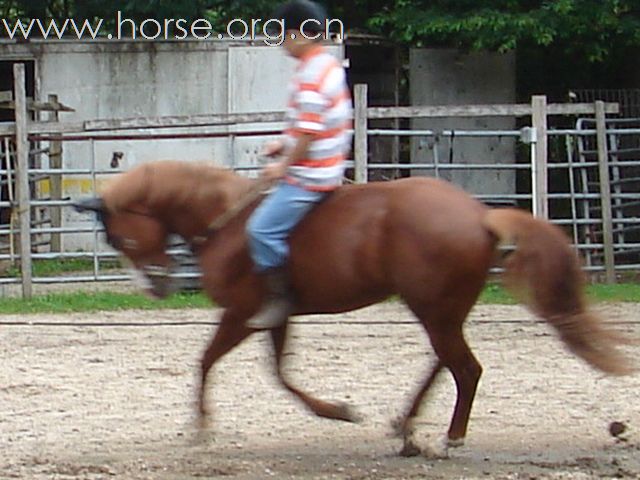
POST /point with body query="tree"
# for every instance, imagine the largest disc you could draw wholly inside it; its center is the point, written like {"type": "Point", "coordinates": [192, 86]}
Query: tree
{"type": "Point", "coordinates": [589, 29]}
{"type": "Point", "coordinates": [104, 9]}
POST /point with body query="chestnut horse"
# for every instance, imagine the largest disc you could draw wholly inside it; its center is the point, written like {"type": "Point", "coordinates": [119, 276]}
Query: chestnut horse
{"type": "Point", "coordinates": [422, 239]}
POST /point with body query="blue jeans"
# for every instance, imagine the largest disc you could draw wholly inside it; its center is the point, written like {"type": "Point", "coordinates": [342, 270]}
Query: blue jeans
{"type": "Point", "coordinates": [271, 223]}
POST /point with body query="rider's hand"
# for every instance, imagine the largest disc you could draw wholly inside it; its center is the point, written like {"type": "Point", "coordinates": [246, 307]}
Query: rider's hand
{"type": "Point", "coordinates": [272, 148]}
{"type": "Point", "coordinates": [274, 171]}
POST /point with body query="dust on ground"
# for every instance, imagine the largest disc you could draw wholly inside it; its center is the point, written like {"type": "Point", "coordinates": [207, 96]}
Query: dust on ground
{"type": "Point", "coordinates": [85, 396]}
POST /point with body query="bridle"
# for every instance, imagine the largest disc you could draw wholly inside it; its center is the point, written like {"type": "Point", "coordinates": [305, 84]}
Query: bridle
{"type": "Point", "coordinates": [150, 270]}
{"type": "Point", "coordinates": [160, 271]}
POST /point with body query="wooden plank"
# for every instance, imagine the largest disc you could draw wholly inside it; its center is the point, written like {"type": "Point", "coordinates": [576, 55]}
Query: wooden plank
{"type": "Point", "coordinates": [55, 161]}
{"type": "Point", "coordinates": [539, 182]}
{"type": "Point", "coordinates": [605, 193]}
{"type": "Point", "coordinates": [183, 121]}
{"type": "Point", "coordinates": [497, 110]}
{"type": "Point", "coordinates": [22, 174]}
{"type": "Point", "coordinates": [36, 128]}
{"type": "Point", "coordinates": [7, 129]}
{"type": "Point", "coordinates": [360, 147]}
{"type": "Point", "coordinates": [36, 106]}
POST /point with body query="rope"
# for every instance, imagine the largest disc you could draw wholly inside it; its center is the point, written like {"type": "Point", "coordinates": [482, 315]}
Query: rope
{"type": "Point", "coordinates": [261, 186]}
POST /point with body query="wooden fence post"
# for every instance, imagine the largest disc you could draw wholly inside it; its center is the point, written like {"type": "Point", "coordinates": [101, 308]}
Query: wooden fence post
{"type": "Point", "coordinates": [605, 193]}
{"type": "Point", "coordinates": [22, 174]}
{"type": "Point", "coordinates": [539, 183]}
{"type": "Point", "coordinates": [360, 149]}
{"type": "Point", "coordinates": [55, 162]}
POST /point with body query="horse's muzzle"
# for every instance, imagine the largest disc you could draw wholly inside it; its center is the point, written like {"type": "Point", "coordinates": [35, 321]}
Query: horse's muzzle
{"type": "Point", "coordinates": [156, 280]}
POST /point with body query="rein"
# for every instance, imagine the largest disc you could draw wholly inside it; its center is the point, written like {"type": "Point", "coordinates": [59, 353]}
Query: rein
{"type": "Point", "coordinates": [223, 219]}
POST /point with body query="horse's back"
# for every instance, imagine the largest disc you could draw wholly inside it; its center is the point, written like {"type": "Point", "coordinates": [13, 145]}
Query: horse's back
{"type": "Point", "coordinates": [368, 241]}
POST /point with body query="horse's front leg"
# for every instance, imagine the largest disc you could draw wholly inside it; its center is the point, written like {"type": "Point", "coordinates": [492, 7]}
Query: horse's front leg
{"type": "Point", "coordinates": [335, 411]}
{"type": "Point", "coordinates": [230, 333]}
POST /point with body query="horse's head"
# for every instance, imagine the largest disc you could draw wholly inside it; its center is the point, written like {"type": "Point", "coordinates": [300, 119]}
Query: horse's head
{"type": "Point", "coordinates": [141, 237]}
{"type": "Point", "coordinates": [143, 206]}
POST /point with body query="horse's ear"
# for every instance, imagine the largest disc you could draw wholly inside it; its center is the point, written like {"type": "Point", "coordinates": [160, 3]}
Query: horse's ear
{"type": "Point", "coordinates": [93, 204]}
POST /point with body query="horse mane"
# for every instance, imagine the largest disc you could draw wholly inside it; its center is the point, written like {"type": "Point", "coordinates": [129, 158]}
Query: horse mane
{"type": "Point", "coordinates": [155, 184]}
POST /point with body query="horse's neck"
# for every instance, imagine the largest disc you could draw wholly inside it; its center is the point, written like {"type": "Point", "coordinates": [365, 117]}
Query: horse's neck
{"type": "Point", "coordinates": [225, 194]}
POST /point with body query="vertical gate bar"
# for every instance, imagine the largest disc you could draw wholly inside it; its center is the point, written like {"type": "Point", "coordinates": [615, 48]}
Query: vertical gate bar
{"type": "Point", "coordinates": [605, 193]}
{"type": "Point", "coordinates": [94, 191]}
{"type": "Point", "coordinates": [572, 189]}
{"type": "Point", "coordinates": [395, 148]}
{"type": "Point", "coordinates": [539, 168]}
{"type": "Point", "coordinates": [360, 148]}
{"type": "Point", "coordinates": [24, 194]}
{"type": "Point", "coordinates": [10, 189]}
{"type": "Point", "coordinates": [587, 228]}
{"type": "Point", "coordinates": [231, 145]}
{"type": "Point", "coordinates": [436, 156]}
{"type": "Point", "coordinates": [617, 202]}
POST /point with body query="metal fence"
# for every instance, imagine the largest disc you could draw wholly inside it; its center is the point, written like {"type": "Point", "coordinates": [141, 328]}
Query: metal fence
{"type": "Point", "coordinates": [588, 217]}
{"type": "Point", "coordinates": [595, 188]}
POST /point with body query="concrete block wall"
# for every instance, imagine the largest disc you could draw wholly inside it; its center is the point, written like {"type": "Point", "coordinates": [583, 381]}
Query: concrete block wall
{"type": "Point", "coordinates": [450, 77]}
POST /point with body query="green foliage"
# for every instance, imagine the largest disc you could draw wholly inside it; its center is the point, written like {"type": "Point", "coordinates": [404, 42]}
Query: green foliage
{"type": "Point", "coordinates": [589, 29]}
{"type": "Point", "coordinates": [138, 9]}
{"type": "Point", "coordinates": [217, 11]}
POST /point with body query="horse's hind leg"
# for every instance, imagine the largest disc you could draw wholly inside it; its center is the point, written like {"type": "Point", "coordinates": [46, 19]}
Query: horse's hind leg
{"type": "Point", "coordinates": [404, 425]}
{"type": "Point", "coordinates": [454, 352]}
{"type": "Point", "coordinates": [450, 346]}
{"type": "Point", "coordinates": [335, 411]}
{"type": "Point", "coordinates": [230, 333]}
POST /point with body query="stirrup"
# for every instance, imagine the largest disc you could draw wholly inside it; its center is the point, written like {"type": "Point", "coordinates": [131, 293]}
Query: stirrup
{"type": "Point", "coordinates": [272, 315]}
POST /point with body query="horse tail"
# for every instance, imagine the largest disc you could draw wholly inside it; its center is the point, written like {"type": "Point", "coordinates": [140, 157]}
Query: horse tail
{"type": "Point", "coordinates": [545, 273]}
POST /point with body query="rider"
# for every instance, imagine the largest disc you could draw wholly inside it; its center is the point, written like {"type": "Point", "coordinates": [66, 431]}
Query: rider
{"type": "Point", "coordinates": [312, 153]}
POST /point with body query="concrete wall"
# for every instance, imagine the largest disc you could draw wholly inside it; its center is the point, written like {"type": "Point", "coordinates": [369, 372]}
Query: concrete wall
{"type": "Point", "coordinates": [449, 77]}
{"type": "Point", "coordinates": [258, 81]}
{"type": "Point", "coordinates": [105, 80]}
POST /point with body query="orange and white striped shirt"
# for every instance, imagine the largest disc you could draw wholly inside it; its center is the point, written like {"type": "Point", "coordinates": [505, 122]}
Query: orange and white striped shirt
{"type": "Point", "coordinates": [320, 105]}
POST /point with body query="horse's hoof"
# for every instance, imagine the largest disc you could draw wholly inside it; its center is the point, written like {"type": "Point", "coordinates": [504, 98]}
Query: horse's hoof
{"type": "Point", "coordinates": [436, 450]}
{"type": "Point", "coordinates": [347, 413]}
{"type": "Point", "coordinates": [410, 449]}
{"type": "Point", "coordinates": [203, 422]}
{"type": "Point", "coordinates": [201, 437]}
{"type": "Point", "coordinates": [455, 442]}
{"type": "Point", "coordinates": [398, 427]}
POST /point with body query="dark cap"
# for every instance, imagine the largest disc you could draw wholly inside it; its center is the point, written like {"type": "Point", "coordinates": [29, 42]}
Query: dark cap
{"type": "Point", "coordinates": [295, 12]}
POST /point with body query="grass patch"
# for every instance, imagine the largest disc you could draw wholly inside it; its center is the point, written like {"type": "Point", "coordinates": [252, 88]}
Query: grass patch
{"type": "Point", "coordinates": [496, 294]}
{"type": "Point", "coordinates": [111, 301]}
{"type": "Point", "coordinates": [622, 292]}
{"type": "Point", "coordinates": [54, 267]}
{"type": "Point", "coordinates": [99, 301]}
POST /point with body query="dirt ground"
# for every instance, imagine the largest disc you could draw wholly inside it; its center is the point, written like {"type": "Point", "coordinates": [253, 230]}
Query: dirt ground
{"type": "Point", "coordinates": [89, 397]}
